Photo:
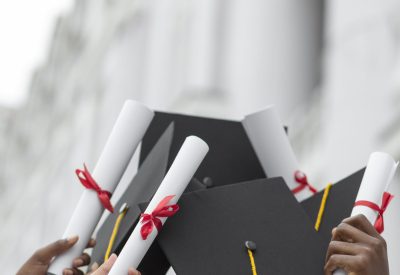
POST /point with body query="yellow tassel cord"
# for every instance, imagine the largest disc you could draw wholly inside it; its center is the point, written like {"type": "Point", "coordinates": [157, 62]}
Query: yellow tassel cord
{"type": "Point", "coordinates": [252, 262]}
{"type": "Point", "coordinates": [114, 233]}
{"type": "Point", "coordinates": [322, 207]}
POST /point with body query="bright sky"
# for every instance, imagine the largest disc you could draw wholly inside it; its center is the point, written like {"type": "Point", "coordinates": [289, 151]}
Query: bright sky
{"type": "Point", "coordinates": [25, 30]}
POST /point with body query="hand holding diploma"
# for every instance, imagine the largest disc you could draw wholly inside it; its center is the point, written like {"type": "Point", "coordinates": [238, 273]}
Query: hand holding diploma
{"type": "Point", "coordinates": [371, 202]}
{"type": "Point", "coordinates": [40, 260]}
{"type": "Point", "coordinates": [127, 132]}
{"type": "Point", "coordinates": [357, 248]}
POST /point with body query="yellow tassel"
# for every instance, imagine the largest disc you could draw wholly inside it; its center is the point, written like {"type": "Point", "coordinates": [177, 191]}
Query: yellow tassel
{"type": "Point", "coordinates": [322, 207]}
{"type": "Point", "coordinates": [252, 262]}
{"type": "Point", "coordinates": [117, 224]}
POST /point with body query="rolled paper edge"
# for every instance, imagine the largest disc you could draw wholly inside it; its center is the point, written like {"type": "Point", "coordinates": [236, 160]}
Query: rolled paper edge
{"type": "Point", "coordinates": [261, 110]}
{"type": "Point", "coordinates": [199, 141]}
{"type": "Point", "coordinates": [134, 103]}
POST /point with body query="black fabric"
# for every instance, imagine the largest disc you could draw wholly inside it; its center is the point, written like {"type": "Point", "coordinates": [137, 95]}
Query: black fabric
{"type": "Point", "coordinates": [207, 236]}
{"type": "Point", "coordinates": [338, 206]}
{"type": "Point", "coordinates": [231, 157]}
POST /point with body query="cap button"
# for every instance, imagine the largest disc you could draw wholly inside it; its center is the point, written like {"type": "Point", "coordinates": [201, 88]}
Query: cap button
{"type": "Point", "coordinates": [251, 245]}
{"type": "Point", "coordinates": [208, 182]}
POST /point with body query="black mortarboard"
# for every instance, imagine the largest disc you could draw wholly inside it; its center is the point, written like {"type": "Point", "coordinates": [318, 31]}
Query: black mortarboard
{"type": "Point", "coordinates": [339, 204]}
{"type": "Point", "coordinates": [231, 158]}
{"type": "Point", "coordinates": [210, 233]}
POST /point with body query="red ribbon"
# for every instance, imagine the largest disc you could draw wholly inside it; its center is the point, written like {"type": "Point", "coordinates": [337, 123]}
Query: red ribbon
{"type": "Point", "coordinates": [386, 198]}
{"type": "Point", "coordinates": [87, 180]}
{"type": "Point", "coordinates": [150, 220]}
{"type": "Point", "coordinates": [301, 179]}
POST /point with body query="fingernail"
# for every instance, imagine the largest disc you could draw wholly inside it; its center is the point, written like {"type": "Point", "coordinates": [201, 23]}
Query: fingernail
{"type": "Point", "coordinates": [72, 239]}
{"type": "Point", "coordinates": [78, 262]}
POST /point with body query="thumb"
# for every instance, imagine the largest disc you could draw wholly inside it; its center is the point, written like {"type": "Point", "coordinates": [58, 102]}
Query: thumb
{"type": "Point", "coordinates": [105, 268]}
{"type": "Point", "coordinates": [46, 254]}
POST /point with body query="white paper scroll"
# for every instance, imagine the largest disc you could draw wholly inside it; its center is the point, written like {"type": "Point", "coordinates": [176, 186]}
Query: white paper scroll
{"type": "Point", "coordinates": [182, 170]}
{"type": "Point", "coordinates": [272, 146]}
{"type": "Point", "coordinates": [126, 134]}
{"type": "Point", "coordinates": [377, 177]}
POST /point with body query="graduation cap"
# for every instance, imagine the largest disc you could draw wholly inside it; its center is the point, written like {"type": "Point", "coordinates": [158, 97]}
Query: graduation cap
{"type": "Point", "coordinates": [338, 204]}
{"type": "Point", "coordinates": [231, 158]}
{"type": "Point", "coordinates": [241, 228]}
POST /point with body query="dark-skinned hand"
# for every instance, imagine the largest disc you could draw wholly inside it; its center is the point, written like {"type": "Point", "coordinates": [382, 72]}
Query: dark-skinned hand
{"type": "Point", "coordinates": [357, 248]}
{"type": "Point", "coordinates": [41, 259]}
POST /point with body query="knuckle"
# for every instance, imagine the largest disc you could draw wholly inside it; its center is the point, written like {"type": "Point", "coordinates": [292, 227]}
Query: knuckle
{"type": "Point", "coordinates": [362, 262]}
{"type": "Point", "coordinates": [367, 252]}
{"type": "Point", "coordinates": [383, 243]}
{"type": "Point", "coordinates": [333, 245]}
{"type": "Point", "coordinates": [360, 218]}
{"type": "Point", "coordinates": [378, 244]}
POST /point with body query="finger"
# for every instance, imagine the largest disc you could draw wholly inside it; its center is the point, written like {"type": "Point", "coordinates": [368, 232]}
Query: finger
{"type": "Point", "coordinates": [81, 261]}
{"type": "Point", "coordinates": [106, 267]}
{"type": "Point", "coordinates": [91, 243]}
{"type": "Point", "coordinates": [132, 271]}
{"type": "Point", "coordinates": [72, 271]}
{"type": "Point", "coordinates": [343, 248]}
{"type": "Point", "coordinates": [347, 233]}
{"type": "Point", "coordinates": [46, 254]}
{"type": "Point", "coordinates": [361, 222]}
{"type": "Point", "coordinates": [94, 267]}
{"type": "Point", "coordinates": [346, 262]}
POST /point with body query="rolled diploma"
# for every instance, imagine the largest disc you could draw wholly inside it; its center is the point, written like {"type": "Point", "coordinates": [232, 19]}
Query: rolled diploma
{"type": "Point", "coordinates": [271, 144]}
{"type": "Point", "coordinates": [377, 177]}
{"type": "Point", "coordinates": [174, 183]}
{"type": "Point", "coordinates": [125, 136]}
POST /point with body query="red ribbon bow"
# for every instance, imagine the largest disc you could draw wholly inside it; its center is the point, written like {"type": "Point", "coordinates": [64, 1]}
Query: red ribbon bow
{"type": "Point", "coordinates": [301, 178]}
{"type": "Point", "coordinates": [150, 220]}
{"type": "Point", "coordinates": [87, 180]}
{"type": "Point", "coordinates": [386, 198]}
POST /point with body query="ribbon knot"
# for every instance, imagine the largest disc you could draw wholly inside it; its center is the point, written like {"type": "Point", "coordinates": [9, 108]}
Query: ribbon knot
{"type": "Point", "coordinates": [301, 179]}
{"type": "Point", "coordinates": [162, 210]}
{"type": "Point", "coordinates": [379, 223]}
{"type": "Point", "coordinates": [88, 182]}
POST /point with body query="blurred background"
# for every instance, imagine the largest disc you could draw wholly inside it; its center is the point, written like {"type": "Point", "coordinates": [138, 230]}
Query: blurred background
{"type": "Point", "coordinates": [331, 67]}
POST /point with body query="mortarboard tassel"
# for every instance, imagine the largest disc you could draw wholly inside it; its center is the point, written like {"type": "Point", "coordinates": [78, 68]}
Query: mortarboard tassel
{"type": "Point", "coordinates": [121, 215]}
{"type": "Point", "coordinates": [251, 246]}
{"type": "Point", "coordinates": [322, 207]}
